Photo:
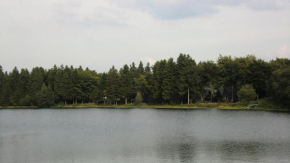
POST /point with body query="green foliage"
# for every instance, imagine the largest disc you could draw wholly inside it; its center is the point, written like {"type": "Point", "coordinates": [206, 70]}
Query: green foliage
{"type": "Point", "coordinates": [272, 105]}
{"type": "Point", "coordinates": [23, 84]}
{"type": "Point", "coordinates": [126, 82]}
{"type": "Point", "coordinates": [148, 68]}
{"type": "Point", "coordinates": [158, 78]}
{"type": "Point", "coordinates": [113, 85]}
{"type": "Point", "coordinates": [35, 82]}
{"type": "Point", "coordinates": [259, 74]}
{"type": "Point", "coordinates": [246, 94]}
{"type": "Point", "coordinates": [45, 97]}
{"type": "Point", "coordinates": [279, 85]}
{"type": "Point", "coordinates": [138, 99]}
{"type": "Point", "coordinates": [26, 101]}
{"type": "Point", "coordinates": [187, 76]}
{"type": "Point", "coordinates": [5, 91]}
{"type": "Point", "coordinates": [141, 84]}
{"type": "Point", "coordinates": [141, 69]}
{"type": "Point", "coordinates": [165, 82]}
{"type": "Point", "coordinates": [169, 85]}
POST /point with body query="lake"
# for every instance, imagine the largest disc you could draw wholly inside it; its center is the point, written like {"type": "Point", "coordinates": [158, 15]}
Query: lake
{"type": "Point", "coordinates": [143, 135]}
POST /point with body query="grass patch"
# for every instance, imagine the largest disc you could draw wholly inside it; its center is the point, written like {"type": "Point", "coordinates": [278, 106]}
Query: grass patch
{"type": "Point", "coordinates": [221, 106]}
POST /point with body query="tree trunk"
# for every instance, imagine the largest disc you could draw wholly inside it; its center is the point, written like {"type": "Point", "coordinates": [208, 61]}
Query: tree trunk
{"type": "Point", "coordinates": [76, 102]}
{"type": "Point", "coordinates": [188, 96]}
{"type": "Point", "coordinates": [64, 102]}
{"type": "Point", "coordinates": [126, 101]}
{"type": "Point", "coordinates": [232, 93]}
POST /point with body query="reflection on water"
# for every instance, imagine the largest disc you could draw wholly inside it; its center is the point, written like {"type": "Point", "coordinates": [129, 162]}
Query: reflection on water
{"type": "Point", "coordinates": [183, 151]}
{"type": "Point", "coordinates": [143, 135]}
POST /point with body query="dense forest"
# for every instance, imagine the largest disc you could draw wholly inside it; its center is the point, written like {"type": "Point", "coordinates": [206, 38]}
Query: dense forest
{"type": "Point", "coordinates": [166, 82]}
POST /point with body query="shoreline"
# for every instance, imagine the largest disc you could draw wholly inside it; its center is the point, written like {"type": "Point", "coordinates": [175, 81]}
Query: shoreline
{"type": "Point", "coordinates": [200, 106]}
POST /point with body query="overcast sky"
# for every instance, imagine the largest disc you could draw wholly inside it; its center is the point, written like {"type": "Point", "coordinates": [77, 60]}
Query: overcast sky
{"type": "Point", "coordinates": [101, 33]}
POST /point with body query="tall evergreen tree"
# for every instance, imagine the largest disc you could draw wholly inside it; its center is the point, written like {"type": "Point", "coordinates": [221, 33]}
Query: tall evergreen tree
{"type": "Point", "coordinates": [1, 77]}
{"type": "Point", "coordinates": [227, 70]}
{"type": "Point", "coordinates": [150, 81]}
{"type": "Point", "coordinates": [45, 97]}
{"type": "Point", "coordinates": [148, 68]}
{"type": "Point", "coordinates": [169, 82]}
{"type": "Point", "coordinates": [158, 77]}
{"type": "Point", "coordinates": [37, 78]}
{"type": "Point", "coordinates": [260, 72]}
{"type": "Point", "coordinates": [141, 68]}
{"type": "Point", "coordinates": [1, 82]}
{"type": "Point", "coordinates": [142, 85]}
{"type": "Point", "coordinates": [134, 71]}
{"type": "Point", "coordinates": [51, 76]}
{"type": "Point", "coordinates": [208, 72]}
{"type": "Point", "coordinates": [65, 87]}
{"type": "Point", "coordinates": [24, 78]}
{"type": "Point", "coordinates": [15, 87]}
{"type": "Point", "coordinates": [188, 79]}
{"type": "Point", "coordinates": [278, 86]}
{"type": "Point", "coordinates": [113, 85]}
{"type": "Point", "coordinates": [127, 83]}
{"type": "Point", "coordinates": [5, 91]}
{"type": "Point", "coordinates": [102, 85]}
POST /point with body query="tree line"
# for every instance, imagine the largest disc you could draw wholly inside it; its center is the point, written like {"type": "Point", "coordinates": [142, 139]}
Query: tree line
{"type": "Point", "coordinates": [166, 82]}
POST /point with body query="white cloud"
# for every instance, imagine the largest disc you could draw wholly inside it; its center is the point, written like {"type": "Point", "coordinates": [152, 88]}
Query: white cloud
{"type": "Point", "coordinates": [149, 60]}
{"type": "Point", "coordinates": [99, 34]}
{"type": "Point", "coordinates": [283, 52]}
{"type": "Point", "coordinates": [92, 13]}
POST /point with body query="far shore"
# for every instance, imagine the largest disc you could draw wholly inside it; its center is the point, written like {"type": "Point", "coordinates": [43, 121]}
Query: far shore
{"type": "Point", "coordinates": [196, 106]}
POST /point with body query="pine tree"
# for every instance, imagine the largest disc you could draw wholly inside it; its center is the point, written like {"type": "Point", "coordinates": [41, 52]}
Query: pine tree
{"type": "Point", "coordinates": [141, 69]}
{"type": "Point", "coordinates": [208, 76]}
{"type": "Point", "coordinates": [1, 78]}
{"type": "Point", "coordinates": [113, 85]}
{"type": "Point", "coordinates": [169, 81]}
{"type": "Point", "coordinates": [142, 85]}
{"type": "Point", "coordinates": [45, 97]}
{"type": "Point", "coordinates": [5, 91]}
{"type": "Point", "coordinates": [65, 87]}
{"type": "Point", "coordinates": [134, 70]}
{"type": "Point", "coordinates": [35, 83]}
{"type": "Point", "coordinates": [15, 87]}
{"type": "Point", "coordinates": [51, 76]}
{"type": "Point", "coordinates": [187, 76]}
{"type": "Point", "coordinates": [138, 99]}
{"type": "Point", "coordinates": [260, 72]}
{"type": "Point", "coordinates": [1, 83]}
{"type": "Point", "coordinates": [158, 76]}
{"type": "Point", "coordinates": [24, 77]}
{"type": "Point", "coordinates": [127, 83]}
{"type": "Point", "coordinates": [57, 86]}
{"type": "Point", "coordinates": [148, 68]}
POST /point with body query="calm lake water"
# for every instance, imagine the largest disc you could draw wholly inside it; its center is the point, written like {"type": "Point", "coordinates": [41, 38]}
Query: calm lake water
{"type": "Point", "coordinates": [143, 135]}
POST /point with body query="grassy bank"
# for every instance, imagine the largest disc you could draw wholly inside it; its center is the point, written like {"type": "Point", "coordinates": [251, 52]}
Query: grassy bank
{"type": "Point", "coordinates": [185, 106]}
{"type": "Point", "coordinates": [220, 106]}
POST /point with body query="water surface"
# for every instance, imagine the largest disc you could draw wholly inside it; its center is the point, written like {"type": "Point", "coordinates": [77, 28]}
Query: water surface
{"type": "Point", "coordinates": [143, 135]}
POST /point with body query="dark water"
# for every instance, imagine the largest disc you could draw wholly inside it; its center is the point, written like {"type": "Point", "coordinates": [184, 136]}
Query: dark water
{"type": "Point", "coordinates": [143, 135]}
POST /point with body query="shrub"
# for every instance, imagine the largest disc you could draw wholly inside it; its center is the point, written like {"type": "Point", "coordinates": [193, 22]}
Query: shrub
{"type": "Point", "coordinates": [139, 99]}
{"type": "Point", "coordinates": [246, 94]}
